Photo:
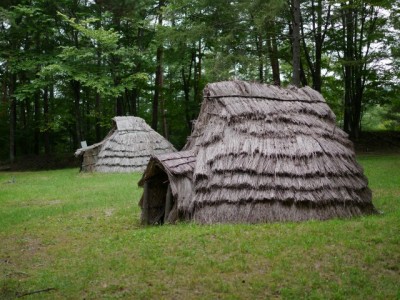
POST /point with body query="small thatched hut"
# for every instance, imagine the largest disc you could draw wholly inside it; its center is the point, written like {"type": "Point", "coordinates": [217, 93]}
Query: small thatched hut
{"type": "Point", "coordinates": [126, 148]}
{"type": "Point", "coordinates": [258, 153]}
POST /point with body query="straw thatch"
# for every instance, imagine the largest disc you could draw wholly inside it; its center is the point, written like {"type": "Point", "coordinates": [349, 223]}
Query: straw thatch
{"type": "Point", "coordinates": [258, 153]}
{"type": "Point", "coordinates": [127, 147]}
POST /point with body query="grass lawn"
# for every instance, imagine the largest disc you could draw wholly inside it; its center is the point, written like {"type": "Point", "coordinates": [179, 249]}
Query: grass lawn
{"type": "Point", "coordinates": [77, 236]}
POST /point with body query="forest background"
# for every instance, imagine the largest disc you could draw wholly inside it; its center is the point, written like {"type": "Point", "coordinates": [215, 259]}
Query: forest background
{"type": "Point", "coordinates": [67, 67]}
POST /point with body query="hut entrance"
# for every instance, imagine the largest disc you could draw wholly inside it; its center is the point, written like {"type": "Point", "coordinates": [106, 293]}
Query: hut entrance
{"type": "Point", "coordinates": [157, 199]}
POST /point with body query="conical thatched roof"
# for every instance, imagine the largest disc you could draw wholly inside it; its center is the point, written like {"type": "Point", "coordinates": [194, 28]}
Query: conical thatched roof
{"type": "Point", "coordinates": [127, 147]}
{"type": "Point", "coordinates": [263, 153]}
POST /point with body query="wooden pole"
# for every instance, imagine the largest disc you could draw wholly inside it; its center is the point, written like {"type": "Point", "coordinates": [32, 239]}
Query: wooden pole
{"type": "Point", "coordinates": [168, 204]}
{"type": "Point", "coordinates": [296, 42]}
{"type": "Point", "coordinates": [145, 212]}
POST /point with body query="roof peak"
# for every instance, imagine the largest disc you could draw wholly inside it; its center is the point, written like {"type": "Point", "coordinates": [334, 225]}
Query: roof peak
{"type": "Point", "coordinates": [130, 123]}
{"type": "Point", "coordinates": [246, 89]}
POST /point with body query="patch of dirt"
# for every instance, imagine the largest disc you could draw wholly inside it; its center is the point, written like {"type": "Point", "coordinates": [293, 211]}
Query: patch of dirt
{"type": "Point", "coordinates": [109, 212]}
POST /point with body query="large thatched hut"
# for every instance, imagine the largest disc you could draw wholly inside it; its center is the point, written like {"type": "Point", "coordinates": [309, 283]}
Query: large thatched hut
{"type": "Point", "coordinates": [126, 148]}
{"type": "Point", "coordinates": [258, 153]}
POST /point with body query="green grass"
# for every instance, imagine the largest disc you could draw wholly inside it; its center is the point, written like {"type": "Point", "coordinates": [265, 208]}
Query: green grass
{"type": "Point", "coordinates": [80, 234]}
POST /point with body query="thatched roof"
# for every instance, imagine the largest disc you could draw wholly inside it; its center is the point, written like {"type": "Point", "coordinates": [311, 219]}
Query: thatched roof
{"type": "Point", "coordinates": [265, 153]}
{"type": "Point", "coordinates": [127, 147]}
{"type": "Point", "coordinates": [175, 164]}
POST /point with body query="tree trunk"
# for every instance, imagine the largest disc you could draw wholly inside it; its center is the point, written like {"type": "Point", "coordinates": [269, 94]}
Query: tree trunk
{"type": "Point", "coordinates": [134, 96]}
{"type": "Point", "coordinates": [4, 97]}
{"type": "Point", "coordinates": [296, 42]}
{"type": "Point", "coordinates": [197, 75]}
{"type": "Point", "coordinates": [186, 90]}
{"type": "Point", "coordinates": [259, 48]}
{"type": "Point", "coordinates": [86, 103]}
{"type": "Point", "coordinates": [303, 77]}
{"type": "Point", "coordinates": [273, 53]}
{"type": "Point", "coordinates": [319, 40]}
{"type": "Point", "coordinates": [13, 118]}
{"type": "Point", "coordinates": [46, 133]}
{"type": "Point", "coordinates": [97, 119]}
{"type": "Point", "coordinates": [319, 29]}
{"type": "Point", "coordinates": [164, 129]}
{"type": "Point", "coordinates": [163, 118]}
{"type": "Point", "coordinates": [157, 88]}
{"type": "Point", "coordinates": [119, 109]}
{"type": "Point", "coordinates": [348, 29]}
{"type": "Point", "coordinates": [25, 143]}
{"type": "Point", "coordinates": [159, 74]}
{"type": "Point", "coordinates": [76, 86]}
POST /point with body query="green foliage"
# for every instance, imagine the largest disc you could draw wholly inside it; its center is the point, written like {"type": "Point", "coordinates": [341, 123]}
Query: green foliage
{"type": "Point", "coordinates": [73, 65]}
{"type": "Point", "coordinates": [99, 55]}
{"type": "Point", "coordinates": [392, 117]}
{"type": "Point", "coordinates": [373, 119]}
